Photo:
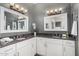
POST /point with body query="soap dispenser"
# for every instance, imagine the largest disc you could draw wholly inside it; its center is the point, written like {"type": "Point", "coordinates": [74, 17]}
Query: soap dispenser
{"type": "Point", "coordinates": [34, 28]}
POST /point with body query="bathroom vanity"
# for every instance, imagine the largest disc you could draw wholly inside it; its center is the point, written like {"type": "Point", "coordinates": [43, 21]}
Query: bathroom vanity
{"type": "Point", "coordinates": [42, 45]}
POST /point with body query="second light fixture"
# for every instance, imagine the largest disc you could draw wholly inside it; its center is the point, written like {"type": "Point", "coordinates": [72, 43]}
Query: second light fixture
{"type": "Point", "coordinates": [53, 12]}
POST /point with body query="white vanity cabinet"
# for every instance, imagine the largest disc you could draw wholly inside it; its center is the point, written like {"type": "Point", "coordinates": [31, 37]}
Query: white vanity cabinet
{"type": "Point", "coordinates": [12, 21]}
{"type": "Point", "coordinates": [26, 47]}
{"type": "Point", "coordinates": [56, 22]}
{"type": "Point", "coordinates": [55, 47]}
{"type": "Point", "coordinates": [8, 50]}
{"type": "Point", "coordinates": [41, 45]}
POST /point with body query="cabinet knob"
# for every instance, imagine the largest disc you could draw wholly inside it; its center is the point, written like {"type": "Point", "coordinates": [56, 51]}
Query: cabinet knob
{"type": "Point", "coordinates": [45, 45]}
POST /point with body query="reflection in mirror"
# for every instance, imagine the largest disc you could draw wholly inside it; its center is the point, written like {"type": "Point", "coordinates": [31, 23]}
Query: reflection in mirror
{"type": "Point", "coordinates": [47, 25]}
{"type": "Point", "coordinates": [52, 25]}
{"type": "Point", "coordinates": [11, 21]}
{"type": "Point", "coordinates": [20, 24]}
{"type": "Point", "coordinates": [14, 22]}
{"type": "Point", "coordinates": [58, 24]}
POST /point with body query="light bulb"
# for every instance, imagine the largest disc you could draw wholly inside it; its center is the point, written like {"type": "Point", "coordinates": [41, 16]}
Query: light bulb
{"type": "Point", "coordinates": [25, 11]}
{"type": "Point", "coordinates": [17, 6]}
{"type": "Point", "coordinates": [60, 9]}
{"type": "Point", "coordinates": [22, 8]}
{"type": "Point", "coordinates": [51, 10]}
{"type": "Point", "coordinates": [47, 12]}
{"type": "Point", "coordinates": [56, 10]}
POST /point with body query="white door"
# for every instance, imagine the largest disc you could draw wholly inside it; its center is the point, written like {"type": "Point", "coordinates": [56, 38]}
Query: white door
{"type": "Point", "coordinates": [41, 46]}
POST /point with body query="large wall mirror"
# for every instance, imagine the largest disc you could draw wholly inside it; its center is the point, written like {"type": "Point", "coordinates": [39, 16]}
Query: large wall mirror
{"type": "Point", "coordinates": [15, 22]}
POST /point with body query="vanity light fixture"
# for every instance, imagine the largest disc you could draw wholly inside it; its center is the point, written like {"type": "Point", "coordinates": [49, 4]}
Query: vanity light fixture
{"type": "Point", "coordinates": [54, 12]}
{"type": "Point", "coordinates": [18, 8]}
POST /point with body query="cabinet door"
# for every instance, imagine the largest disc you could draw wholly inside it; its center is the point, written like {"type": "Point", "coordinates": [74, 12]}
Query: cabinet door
{"type": "Point", "coordinates": [54, 47]}
{"type": "Point", "coordinates": [25, 51]}
{"type": "Point", "coordinates": [33, 46]}
{"type": "Point", "coordinates": [2, 54]}
{"type": "Point", "coordinates": [27, 47]}
{"type": "Point", "coordinates": [24, 48]}
{"type": "Point", "coordinates": [8, 50]}
{"type": "Point", "coordinates": [54, 50]}
{"type": "Point", "coordinates": [69, 51]}
{"type": "Point", "coordinates": [69, 48]}
{"type": "Point", "coordinates": [11, 53]}
{"type": "Point", "coordinates": [41, 46]}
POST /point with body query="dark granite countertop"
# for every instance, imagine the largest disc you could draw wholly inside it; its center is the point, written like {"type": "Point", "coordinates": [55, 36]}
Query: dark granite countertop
{"type": "Point", "coordinates": [58, 38]}
{"type": "Point", "coordinates": [55, 37]}
{"type": "Point", "coordinates": [38, 35]}
{"type": "Point", "coordinates": [15, 41]}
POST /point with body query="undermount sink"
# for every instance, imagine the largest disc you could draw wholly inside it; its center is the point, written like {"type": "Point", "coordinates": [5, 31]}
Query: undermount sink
{"type": "Point", "coordinates": [5, 41]}
{"type": "Point", "coordinates": [20, 38]}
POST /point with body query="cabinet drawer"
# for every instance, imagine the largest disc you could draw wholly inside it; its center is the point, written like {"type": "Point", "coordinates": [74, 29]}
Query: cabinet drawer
{"type": "Point", "coordinates": [54, 41]}
{"type": "Point", "coordinates": [3, 54]}
{"type": "Point", "coordinates": [8, 49]}
{"type": "Point", "coordinates": [68, 43]}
